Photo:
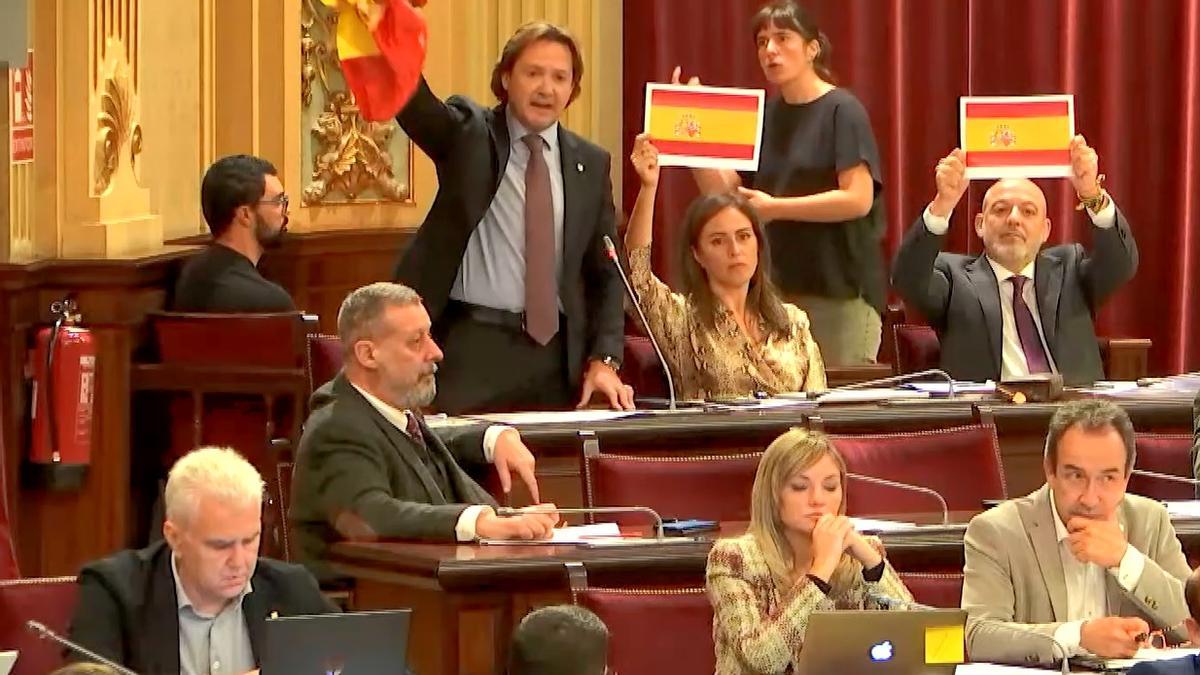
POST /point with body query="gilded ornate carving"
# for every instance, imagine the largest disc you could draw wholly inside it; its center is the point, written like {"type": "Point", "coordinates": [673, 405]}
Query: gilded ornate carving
{"type": "Point", "coordinates": [351, 158]}
{"type": "Point", "coordinates": [115, 128]}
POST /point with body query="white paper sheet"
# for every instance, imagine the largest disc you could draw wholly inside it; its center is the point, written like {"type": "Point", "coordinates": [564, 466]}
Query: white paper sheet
{"type": "Point", "coordinates": [556, 417]}
{"type": "Point", "coordinates": [1189, 508]}
{"type": "Point", "coordinates": [1147, 655]}
{"type": "Point", "coordinates": [870, 395]}
{"type": "Point", "coordinates": [873, 525]}
{"type": "Point", "coordinates": [576, 534]}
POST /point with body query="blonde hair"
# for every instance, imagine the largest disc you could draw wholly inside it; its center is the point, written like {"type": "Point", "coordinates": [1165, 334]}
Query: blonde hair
{"type": "Point", "coordinates": [796, 450]}
{"type": "Point", "coordinates": [215, 472]}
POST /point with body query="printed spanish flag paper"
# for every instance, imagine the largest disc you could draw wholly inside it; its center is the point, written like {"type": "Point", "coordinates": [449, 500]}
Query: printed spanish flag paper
{"type": "Point", "coordinates": [705, 127]}
{"type": "Point", "coordinates": [381, 45]}
{"type": "Point", "coordinates": [1017, 136]}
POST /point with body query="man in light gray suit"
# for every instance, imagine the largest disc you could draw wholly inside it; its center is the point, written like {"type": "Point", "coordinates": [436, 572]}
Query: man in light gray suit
{"type": "Point", "coordinates": [369, 468]}
{"type": "Point", "coordinates": [1078, 562]}
{"type": "Point", "coordinates": [1019, 309]}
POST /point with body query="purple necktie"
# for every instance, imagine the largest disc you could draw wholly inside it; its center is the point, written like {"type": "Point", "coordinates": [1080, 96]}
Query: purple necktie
{"type": "Point", "coordinates": [541, 288]}
{"type": "Point", "coordinates": [1031, 342]}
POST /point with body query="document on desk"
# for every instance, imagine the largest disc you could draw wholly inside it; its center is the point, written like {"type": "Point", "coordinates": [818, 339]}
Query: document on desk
{"type": "Point", "coordinates": [873, 525]}
{"type": "Point", "coordinates": [563, 536]}
{"type": "Point", "coordinates": [995, 669]}
{"type": "Point", "coordinates": [1142, 655]}
{"type": "Point", "coordinates": [554, 417]}
{"type": "Point", "coordinates": [1189, 508]}
{"type": "Point", "coordinates": [870, 395]}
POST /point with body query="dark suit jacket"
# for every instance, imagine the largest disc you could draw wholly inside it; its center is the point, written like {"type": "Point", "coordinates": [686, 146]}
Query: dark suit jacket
{"type": "Point", "coordinates": [960, 297]}
{"type": "Point", "coordinates": [353, 461]}
{"type": "Point", "coordinates": [1188, 665]}
{"type": "Point", "coordinates": [129, 613]}
{"type": "Point", "coordinates": [469, 145]}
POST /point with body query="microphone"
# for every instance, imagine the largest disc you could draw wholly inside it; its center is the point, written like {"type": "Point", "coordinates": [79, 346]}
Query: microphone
{"type": "Point", "coordinates": [897, 379]}
{"type": "Point", "coordinates": [1055, 644]}
{"type": "Point", "coordinates": [909, 487]}
{"type": "Point", "coordinates": [611, 250]}
{"type": "Point", "coordinates": [47, 634]}
{"type": "Point", "coordinates": [658, 524]}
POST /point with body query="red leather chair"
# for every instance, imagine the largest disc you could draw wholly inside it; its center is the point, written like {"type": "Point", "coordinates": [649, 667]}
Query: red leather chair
{"type": "Point", "coordinates": [1163, 453]}
{"type": "Point", "coordinates": [916, 348]}
{"type": "Point", "coordinates": [960, 463]}
{"type": "Point", "coordinates": [935, 589]}
{"type": "Point", "coordinates": [49, 601]}
{"type": "Point", "coordinates": [641, 368]}
{"type": "Point", "coordinates": [710, 487]}
{"type": "Point", "coordinates": [323, 359]}
{"type": "Point", "coordinates": [9, 569]}
{"type": "Point", "coordinates": [654, 630]}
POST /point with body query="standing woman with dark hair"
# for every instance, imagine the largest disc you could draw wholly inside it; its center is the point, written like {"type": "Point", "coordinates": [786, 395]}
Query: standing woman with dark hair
{"type": "Point", "coordinates": [818, 187]}
{"type": "Point", "coordinates": [727, 334]}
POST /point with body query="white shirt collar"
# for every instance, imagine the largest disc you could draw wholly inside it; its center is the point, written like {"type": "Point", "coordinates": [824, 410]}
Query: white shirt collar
{"type": "Point", "coordinates": [1060, 528]}
{"type": "Point", "coordinates": [181, 596]}
{"type": "Point", "coordinates": [398, 418]}
{"type": "Point", "coordinates": [517, 131]}
{"type": "Point", "coordinates": [1003, 273]}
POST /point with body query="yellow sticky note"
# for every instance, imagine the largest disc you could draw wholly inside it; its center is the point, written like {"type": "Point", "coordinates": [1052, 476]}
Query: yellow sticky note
{"type": "Point", "coordinates": [944, 645]}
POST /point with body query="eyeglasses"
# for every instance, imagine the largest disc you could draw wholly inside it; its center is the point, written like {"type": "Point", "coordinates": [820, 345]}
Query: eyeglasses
{"type": "Point", "coordinates": [280, 199]}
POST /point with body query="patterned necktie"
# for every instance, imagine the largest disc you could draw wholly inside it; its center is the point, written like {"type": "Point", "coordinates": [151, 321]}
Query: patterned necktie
{"type": "Point", "coordinates": [414, 429]}
{"type": "Point", "coordinates": [541, 288]}
{"type": "Point", "coordinates": [1031, 342]}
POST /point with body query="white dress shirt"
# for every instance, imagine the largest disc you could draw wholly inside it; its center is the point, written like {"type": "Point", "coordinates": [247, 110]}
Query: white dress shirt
{"type": "Point", "coordinates": [1087, 595]}
{"type": "Point", "coordinates": [464, 529]}
{"type": "Point", "coordinates": [1012, 356]}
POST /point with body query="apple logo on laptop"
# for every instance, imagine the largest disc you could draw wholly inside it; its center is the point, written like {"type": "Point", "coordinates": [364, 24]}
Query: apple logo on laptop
{"type": "Point", "coordinates": [882, 651]}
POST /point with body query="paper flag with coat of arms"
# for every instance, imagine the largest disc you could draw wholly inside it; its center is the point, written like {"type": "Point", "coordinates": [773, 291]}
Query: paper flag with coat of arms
{"type": "Point", "coordinates": [381, 45]}
{"type": "Point", "coordinates": [1017, 136]}
{"type": "Point", "coordinates": [705, 127]}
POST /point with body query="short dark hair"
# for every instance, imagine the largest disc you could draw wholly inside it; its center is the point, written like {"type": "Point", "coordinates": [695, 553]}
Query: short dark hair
{"type": "Point", "coordinates": [526, 35]}
{"type": "Point", "coordinates": [1092, 415]}
{"type": "Point", "coordinates": [559, 640]}
{"type": "Point", "coordinates": [790, 15]}
{"type": "Point", "coordinates": [233, 181]}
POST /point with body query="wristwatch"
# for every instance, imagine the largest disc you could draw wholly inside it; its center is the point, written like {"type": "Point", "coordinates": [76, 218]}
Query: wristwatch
{"type": "Point", "coordinates": [610, 361]}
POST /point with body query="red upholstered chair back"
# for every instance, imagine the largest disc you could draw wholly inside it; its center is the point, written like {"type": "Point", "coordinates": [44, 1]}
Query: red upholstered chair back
{"type": "Point", "coordinates": [49, 601]}
{"type": "Point", "coordinates": [654, 631]}
{"type": "Point", "coordinates": [280, 486]}
{"type": "Point", "coordinates": [937, 590]}
{"type": "Point", "coordinates": [917, 348]}
{"type": "Point", "coordinates": [710, 487]}
{"type": "Point", "coordinates": [1163, 453]}
{"type": "Point", "coordinates": [641, 368]}
{"type": "Point", "coordinates": [267, 340]}
{"type": "Point", "coordinates": [324, 359]}
{"type": "Point", "coordinates": [960, 463]}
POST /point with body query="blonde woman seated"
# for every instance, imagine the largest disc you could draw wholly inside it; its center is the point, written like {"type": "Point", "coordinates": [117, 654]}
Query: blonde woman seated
{"type": "Point", "coordinates": [800, 555]}
{"type": "Point", "coordinates": [728, 334]}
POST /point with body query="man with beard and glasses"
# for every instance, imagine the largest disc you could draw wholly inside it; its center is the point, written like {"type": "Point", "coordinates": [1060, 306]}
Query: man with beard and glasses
{"type": "Point", "coordinates": [1017, 309]}
{"type": "Point", "coordinates": [1079, 560]}
{"type": "Point", "coordinates": [369, 468]}
{"type": "Point", "coordinates": [246, 210]}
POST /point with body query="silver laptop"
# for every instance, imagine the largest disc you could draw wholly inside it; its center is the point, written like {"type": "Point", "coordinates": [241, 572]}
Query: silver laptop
{"type": "Point", "coordinates": [359, 643]}
{"type": "Point", "coordinates": [921, 642]}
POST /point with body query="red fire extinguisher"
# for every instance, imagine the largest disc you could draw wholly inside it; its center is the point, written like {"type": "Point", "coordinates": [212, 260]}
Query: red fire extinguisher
{"type": "Point", "coordinates": [63, 366]}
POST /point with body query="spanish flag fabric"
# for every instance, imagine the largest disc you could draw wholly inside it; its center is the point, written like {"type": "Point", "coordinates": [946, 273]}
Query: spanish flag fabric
{"type": "Point", "coordinates": [1017, 136]}
{"type": "Point", "coordinates": [381, 45]}
{"type": "Point", "coordinates": [705, 127]}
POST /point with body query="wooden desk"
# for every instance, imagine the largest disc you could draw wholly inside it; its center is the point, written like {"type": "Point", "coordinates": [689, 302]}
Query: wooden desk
{"type": "Point", "coordinates": [1021, 430]}
{"type": "Point", "coordinates": [467, 599]}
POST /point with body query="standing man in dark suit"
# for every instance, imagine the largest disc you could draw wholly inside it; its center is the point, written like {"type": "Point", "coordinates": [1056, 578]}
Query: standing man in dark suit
{"type": "Point", "coordinates": [1017, 309]}
{"type": "Point", "coordinates": [246, 210]}
{"type": "Point", "coordinates": [368, 467]}
{"type": "Point", "coordinates": [198, 602]}
{"type": "Point", "coordinates": [510, 260]}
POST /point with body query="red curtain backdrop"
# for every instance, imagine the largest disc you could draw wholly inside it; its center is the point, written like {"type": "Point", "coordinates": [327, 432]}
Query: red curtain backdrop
{"type": "Point", "coordinates": [1133, 66]}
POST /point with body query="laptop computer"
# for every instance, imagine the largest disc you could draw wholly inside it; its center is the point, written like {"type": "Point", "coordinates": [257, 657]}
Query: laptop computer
{"type": "Point", "coordinates": [358, 643]}
{"type": "Point", "coordinates": [922, 642]}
